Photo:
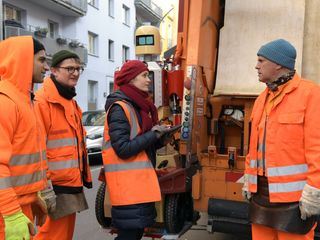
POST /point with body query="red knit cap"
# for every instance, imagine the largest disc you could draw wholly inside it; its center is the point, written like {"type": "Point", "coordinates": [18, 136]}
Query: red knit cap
{"type": "Point", "coordinates": [129, 71]}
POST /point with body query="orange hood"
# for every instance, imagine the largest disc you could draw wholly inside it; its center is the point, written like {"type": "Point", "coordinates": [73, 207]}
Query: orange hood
{"type": "Point", "coordinates": [16, 62]}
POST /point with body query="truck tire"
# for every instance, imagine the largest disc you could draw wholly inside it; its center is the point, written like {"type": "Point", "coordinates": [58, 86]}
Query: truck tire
{"type": "Point", "coordinates": [178, 210]}
{"type": "Point", "coordinates": [104, 222]}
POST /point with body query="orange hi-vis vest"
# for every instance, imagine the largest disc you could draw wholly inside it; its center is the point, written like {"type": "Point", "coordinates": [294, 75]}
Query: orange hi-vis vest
{"type": "Point", "coordinates": [132, 180]}
{"type": "Point", "coordinates": [66, 153]}
{"type": "Point", "coordinates": [22, 145]}
{"type": "Point", "coordinates": [291, 142]}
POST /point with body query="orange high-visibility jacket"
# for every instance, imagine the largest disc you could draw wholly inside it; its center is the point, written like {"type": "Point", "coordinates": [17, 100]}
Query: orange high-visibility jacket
{"type": "Point", "coordinates": [133, 180]}
{"type": "Point", "coordinates": [22, 147]}
{"type": "Point", "coordinates": [292, 141]}
{"type": "Point", "coordinates": [66, 153]}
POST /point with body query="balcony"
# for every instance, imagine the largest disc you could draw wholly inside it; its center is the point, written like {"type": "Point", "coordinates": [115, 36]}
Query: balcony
{"type": "Point", "coordinates": [52, 45]}
{"type": "Point", "coordinates": [149, 11]}
{"type": "Point", "coordinates": [70, 8]}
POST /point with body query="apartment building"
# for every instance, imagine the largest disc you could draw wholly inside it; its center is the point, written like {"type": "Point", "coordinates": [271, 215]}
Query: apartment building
{"type": "Point", "coordinates": [147, 12]}
{"type": "Point", "coordinates": [168, 24]}
{"type": "Point", "coordinates": [101, 32]}
{"type": "Point", "coordinates": [109, 32]}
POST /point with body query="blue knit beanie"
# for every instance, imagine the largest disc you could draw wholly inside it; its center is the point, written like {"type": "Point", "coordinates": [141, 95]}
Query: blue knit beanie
{"type": "Point", "coordinates": [280, 52]}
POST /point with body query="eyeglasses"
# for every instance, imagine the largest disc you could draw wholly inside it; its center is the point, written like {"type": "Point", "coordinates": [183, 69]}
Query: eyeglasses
{"type": "Point", "coordinates": [73, 69]}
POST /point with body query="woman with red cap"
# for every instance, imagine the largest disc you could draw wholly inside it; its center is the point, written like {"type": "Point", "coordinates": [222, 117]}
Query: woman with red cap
{"type": "Point", "coordinates": [131, 137]}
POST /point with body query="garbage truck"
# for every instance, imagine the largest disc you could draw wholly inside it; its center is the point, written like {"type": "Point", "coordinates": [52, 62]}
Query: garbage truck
{"type": "Point", "coordinates": [208, 84]}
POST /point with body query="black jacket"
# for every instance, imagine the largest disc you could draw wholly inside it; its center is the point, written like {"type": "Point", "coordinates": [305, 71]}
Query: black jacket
{"type": "Point", "coordinates": [137, 215]}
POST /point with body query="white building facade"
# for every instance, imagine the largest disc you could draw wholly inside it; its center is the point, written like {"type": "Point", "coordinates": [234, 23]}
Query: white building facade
{"type": "Point", "coordinates": [109, 34]}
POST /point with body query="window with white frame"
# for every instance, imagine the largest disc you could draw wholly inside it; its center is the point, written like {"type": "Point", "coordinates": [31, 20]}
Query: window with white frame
{"type": "Point", "coordinates": [111, 86]}
{"type": "Point", "coordinates": [125, 53]}
{"type": "Point", "coordinates": [111, 8]}
{"type": "Point", "coordinates": [53, 29]}
{"type": "Point", "coordinates": [12, 13]}
{"type": "Point", "coordinates": [111, 50]}
{"type": "Point", "coordinates": [94, 3]}
{"type": "Point", "coordinates": [126, 15]}
{"type": "Point", "coordinates": [92, 43]}
{"type": "Point", "coordinates": [92, 91]}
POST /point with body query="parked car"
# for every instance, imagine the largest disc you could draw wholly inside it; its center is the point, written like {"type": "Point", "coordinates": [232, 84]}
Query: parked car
{"type": "Point", "coordinates": [93, 121]}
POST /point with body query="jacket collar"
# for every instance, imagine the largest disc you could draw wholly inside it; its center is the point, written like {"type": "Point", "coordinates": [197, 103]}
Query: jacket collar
{"type": "Point", "coordinates": [54, 95]}
{"type": "Point", "coordinates": [289, 87]}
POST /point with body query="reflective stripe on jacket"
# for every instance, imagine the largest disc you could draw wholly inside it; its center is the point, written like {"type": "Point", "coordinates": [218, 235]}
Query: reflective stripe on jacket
{"type": "Point", "coordinates": [133, 180]}
{"type": "Point", "coordinates": [292, 146]}
{"type": "Point", "coordinates": [66, 153]}
{"type": "Point", "coordinates": [22, 145]}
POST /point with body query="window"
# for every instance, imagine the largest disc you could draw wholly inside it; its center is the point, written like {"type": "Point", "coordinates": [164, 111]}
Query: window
{"type": "Point", "coordinates": [145, 40]}
{"type": "Point", "coordinates": [170, 36]}
{"type": "Point", "coordinates": [111, 86]}
{"type": "Point", "coordinates": [92, 93]}
{"type": "Point", "coordinates": [96, 118]}
{"type": "Point", "coordinates": [151, 85]}
{"type": "Point", "coordinates": [92, 43]}
{"type": "Point", "coordinates": [53, 29]}
{"type": "Point", "coordinates": [126, 15]}
{"type": "Point", "coordinates": [11, 13]}
{"type": "Point", "coordinates": [111, 50]}
{"type": "Point", "coordinates": [93, 3]}
{"type": "Point", "coordinates": [111, 8]}
{"type": "Point", "coordinates": [125, 53]}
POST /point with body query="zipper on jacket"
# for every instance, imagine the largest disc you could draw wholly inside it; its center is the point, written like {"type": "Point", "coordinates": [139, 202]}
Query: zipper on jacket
{"type": "Point", "coordinates": [78, 146]}
{"type": "Point", "coordinates": [264, 146]}
{"type": "Point", "coordinates": [39, 135]}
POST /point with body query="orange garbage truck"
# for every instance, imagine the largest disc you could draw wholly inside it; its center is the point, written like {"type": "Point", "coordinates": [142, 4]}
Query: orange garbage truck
{"type": "Point", "coordinates": [209, 87]}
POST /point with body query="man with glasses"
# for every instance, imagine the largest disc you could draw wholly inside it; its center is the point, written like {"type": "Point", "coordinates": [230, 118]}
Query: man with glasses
{"type": "Point", "coordinates": [68, 167]}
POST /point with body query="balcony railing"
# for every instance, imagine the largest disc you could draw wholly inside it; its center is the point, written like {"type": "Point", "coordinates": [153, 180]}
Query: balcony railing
{"type": "Point", "coordinates": [74, 8]}
{"type": "Point", "coordinates": [149, 9]}
{"type": "Point", "coordinates": [52, 45]}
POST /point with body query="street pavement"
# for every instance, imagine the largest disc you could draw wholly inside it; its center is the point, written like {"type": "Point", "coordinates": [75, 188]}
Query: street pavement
{"type": "Point", "coordinates": [87, 227]}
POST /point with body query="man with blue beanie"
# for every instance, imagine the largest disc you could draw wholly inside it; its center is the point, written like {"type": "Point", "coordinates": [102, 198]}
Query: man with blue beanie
{"type": "Point", "coordinates": [282, 181]}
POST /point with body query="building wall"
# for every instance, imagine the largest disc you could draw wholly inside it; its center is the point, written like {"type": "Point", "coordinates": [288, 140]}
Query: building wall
{"type": "Point", "coordinates": [99, 67]}
{"type": "Point", "coordinates": [169, 24]}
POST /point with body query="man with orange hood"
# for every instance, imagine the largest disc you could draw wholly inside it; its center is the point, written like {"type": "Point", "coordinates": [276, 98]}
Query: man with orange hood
{"type": "Point", "coordinates": [22, 157]}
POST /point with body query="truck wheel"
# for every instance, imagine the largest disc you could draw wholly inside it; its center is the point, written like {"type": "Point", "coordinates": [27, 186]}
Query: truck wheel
{"type": "Point", "coordinates": [178, 210]}
{"type": "Point", "coordinates": [105, 222]}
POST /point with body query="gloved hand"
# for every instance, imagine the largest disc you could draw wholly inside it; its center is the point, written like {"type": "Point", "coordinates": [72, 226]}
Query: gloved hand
{"type": "Point", "coordinates": [49, 197]}
{"type": "Point", "coordinates": [39, 210]}
{"type": "Point", "coordinates": [160, 130]}
{"type": "Point", "coordinates": [18, 226]}
{"type": "Point", "coordinates": [246, 194]}
{"type": "Point", "coordinates": [166, 139]}
{"type": "Point", "coordinates": [309, 202]}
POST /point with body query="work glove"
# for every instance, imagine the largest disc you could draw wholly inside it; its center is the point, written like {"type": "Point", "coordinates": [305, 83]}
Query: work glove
{"type": "Point", "coordinates": [166, 139]}
{"type": "Point", "coordinates": [18, 226]}
{"type": "Point", "coordinates": [49, 197]}
{"type": "Point", "coordinates": [309, 202]}
{"type": "Point", "coordinates": [246, 194]}
{"type": "Point", "coordinates": [160, 130]}
{"type": "Point", "coordinates": [39, 210]}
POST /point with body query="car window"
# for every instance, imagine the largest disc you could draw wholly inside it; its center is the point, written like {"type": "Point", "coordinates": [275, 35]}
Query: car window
{"type": "Point", "coordinates": [100, 120]}
{"type": "Point", "coordinates": [93, 118]}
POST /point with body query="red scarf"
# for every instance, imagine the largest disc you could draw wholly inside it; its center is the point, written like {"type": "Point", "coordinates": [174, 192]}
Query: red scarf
{"type": "Point", "coordinates": [148, 110]}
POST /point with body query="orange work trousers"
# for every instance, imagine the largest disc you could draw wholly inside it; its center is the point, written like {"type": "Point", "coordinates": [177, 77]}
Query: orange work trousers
{"type": "Point", "coordinates": [260, 232]}
{"type": "Point", "coordinates": [26, 209]}
{"type": "Point", "coordinates": [60, 229]}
